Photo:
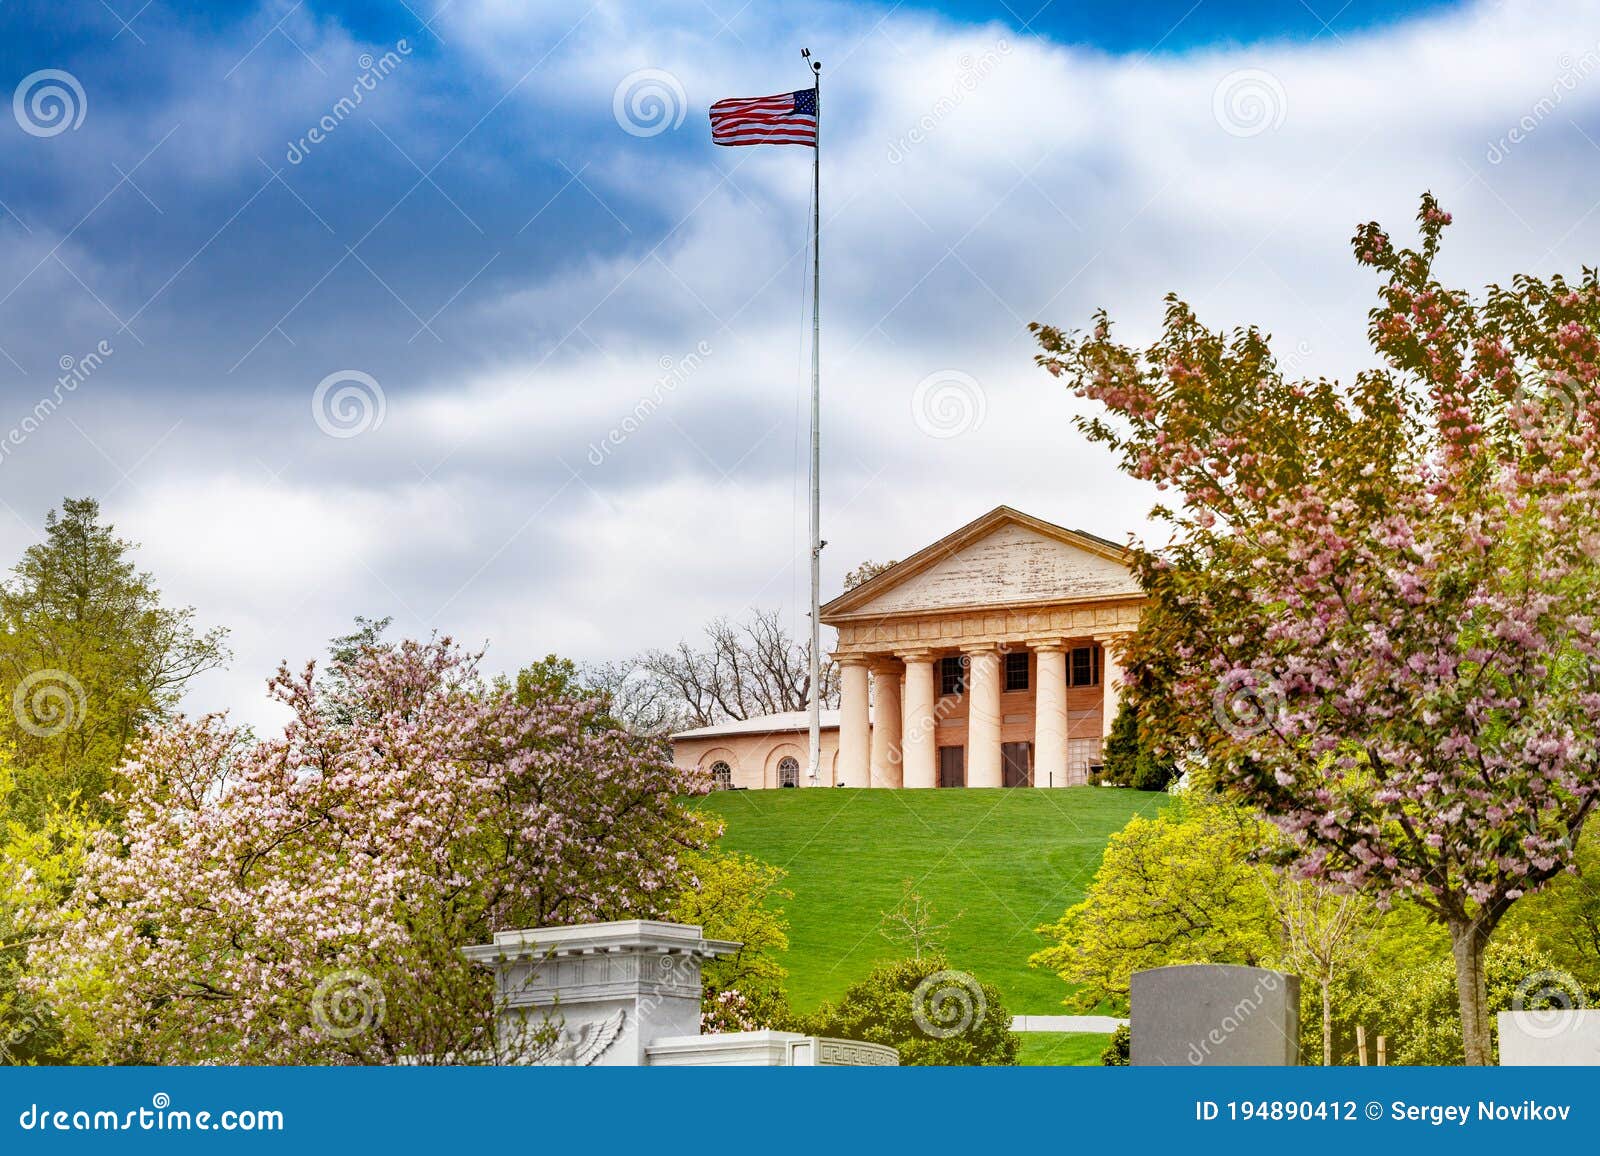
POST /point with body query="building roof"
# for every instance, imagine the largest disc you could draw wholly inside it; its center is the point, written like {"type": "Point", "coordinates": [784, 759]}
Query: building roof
{"type": "Point", "coordinates": [763, 724]}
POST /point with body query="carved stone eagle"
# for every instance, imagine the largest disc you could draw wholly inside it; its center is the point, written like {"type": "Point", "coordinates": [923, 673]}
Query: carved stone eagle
{"type": "Point", "coordinates": [590, 1042]}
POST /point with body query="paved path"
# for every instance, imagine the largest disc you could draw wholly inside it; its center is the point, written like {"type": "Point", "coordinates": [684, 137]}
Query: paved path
{"type": "Point", "coordinates": [1066, 1023]}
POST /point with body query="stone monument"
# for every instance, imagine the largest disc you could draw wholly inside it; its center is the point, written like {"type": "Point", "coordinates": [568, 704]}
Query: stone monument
{"type": "Point", "coordinates": [627, 994]}
{"type": "Point", "coordinates": [1558, 1037]}
{"type": "Point", "coordinates": [1213, 1015]}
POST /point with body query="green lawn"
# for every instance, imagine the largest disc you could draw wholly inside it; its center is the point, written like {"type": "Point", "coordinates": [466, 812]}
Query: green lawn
{"type": "Point", "coordinates": [1061, 1049]}
{"type": "Point", "coordinates": [1006, 860]}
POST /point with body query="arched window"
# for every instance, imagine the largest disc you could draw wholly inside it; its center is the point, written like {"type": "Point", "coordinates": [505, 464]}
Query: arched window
{"type": "Point", "coordinates": [788, 772]}
{"type": "Point", "coordinates": [721, 776]}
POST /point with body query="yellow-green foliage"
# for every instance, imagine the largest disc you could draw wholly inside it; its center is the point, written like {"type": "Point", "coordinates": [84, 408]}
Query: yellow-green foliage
{"type": "Point", "coordinates": [1565, 917]}
{"type": "Point", "coordinates": [1417, 1010]}
{"type": "Point", "coordinates": [89, 654]}
{"type": "Point", "coordinates": [736, 897]}
{"type": "Point", "coordinates": [1186, 887]}
{"type": "Point", "coordinates": [38, 865]}
{"type": "Point", "coordinates": [1176, 888]}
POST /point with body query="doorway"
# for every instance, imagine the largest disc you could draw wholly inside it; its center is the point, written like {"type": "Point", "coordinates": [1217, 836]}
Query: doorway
{"type": "Point", "coordinates": [1016, 761]}
{"type": "Point", "coordinates": [952, 766]}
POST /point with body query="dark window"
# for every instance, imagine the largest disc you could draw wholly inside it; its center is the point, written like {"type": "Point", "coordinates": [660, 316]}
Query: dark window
{"type": "Point", "coordinates": [721, 776]}
{"type": "Point", "coordinates": [1085, 668]}
{"type": "Point", "coordinates": [1017, 671]}
{"type": "Point", "coordinates": [788, 772]}
{"type": "Point", "coordinates": [953, 675]}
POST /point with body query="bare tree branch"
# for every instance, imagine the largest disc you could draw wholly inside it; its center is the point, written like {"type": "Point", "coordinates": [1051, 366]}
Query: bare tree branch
{"type": "Point", "coordinates": [747, 668]}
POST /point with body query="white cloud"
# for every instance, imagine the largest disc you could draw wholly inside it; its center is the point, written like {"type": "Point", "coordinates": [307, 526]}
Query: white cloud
{"type": "Point", "coordinates": [971, 187]}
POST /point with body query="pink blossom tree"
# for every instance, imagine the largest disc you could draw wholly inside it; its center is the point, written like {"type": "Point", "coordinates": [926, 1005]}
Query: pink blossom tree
{"type": "Point", "coordinates": [1377, 619]}
{"type": "Point", "coordinates": [301, 899]}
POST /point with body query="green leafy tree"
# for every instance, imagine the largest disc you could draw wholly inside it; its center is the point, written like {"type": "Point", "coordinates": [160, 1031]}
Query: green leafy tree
{"type": "Point", "coordinates": [1132, 758]}
{"type": "Point", "coordinates": [735, 897]}
{"type": "Point", "coordinates": [1191, 885]}
{"type": "Point", "coordinates": [1119, 1051]}
{"type": "Point", "coordinates": [1323, 938]}
{"type": "Point", "coordinates": [88, 656]}
{"type": "Point", "coordinates": [1180, 887]}
{"type": "Point", "coordinates": [551, 677]}
{"type": "Point", "coordinates": [913, 924]}
{"type": "Point", "coordinates": [1565, 918]}
{"type": "Point", "coordinates": [866, 572]}
{"type": "Point", "coordinates": [1416, 1008]}
{"type": "Point", "coordinates": [39, 864]}
{"type": "Point", "coordinates": [1379, 616]}
{"type": "Point", "coordinates": [619, 697]}
{"type": "Point", "coordinates": [932, 1014]}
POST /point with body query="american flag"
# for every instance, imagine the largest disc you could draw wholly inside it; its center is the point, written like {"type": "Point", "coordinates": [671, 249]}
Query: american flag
{"type": "Point", "coordinates": [788, 118]}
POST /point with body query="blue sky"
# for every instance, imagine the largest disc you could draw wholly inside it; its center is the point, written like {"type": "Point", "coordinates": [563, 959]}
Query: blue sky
{"type": "Point", "coordinates": [1177, 25]}
{"type": "Point", "coordinates": [585, 325]}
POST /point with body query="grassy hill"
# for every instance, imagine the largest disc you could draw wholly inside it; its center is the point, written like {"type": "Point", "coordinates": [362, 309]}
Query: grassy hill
{"type": "Point", "coordinates": [1006, 860]}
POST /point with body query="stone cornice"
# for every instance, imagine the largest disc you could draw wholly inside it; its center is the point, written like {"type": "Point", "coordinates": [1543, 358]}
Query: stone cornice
{"type": "Point", "coordinates": [842, 617]}
{"type": "Point", "coordinates": [631, 936]}
{"type": "Point", "coordinates": [925, 635]}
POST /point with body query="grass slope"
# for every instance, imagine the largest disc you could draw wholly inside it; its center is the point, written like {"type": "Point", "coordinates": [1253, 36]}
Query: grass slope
{"type": "Point", "coordinates": [1062, 1049]}
{"type": "Point", "coordinates": [1006, 860]}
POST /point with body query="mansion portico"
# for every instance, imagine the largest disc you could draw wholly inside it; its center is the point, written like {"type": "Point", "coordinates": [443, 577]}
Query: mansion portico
{"type": "Point", "coordinates": [987, 659]}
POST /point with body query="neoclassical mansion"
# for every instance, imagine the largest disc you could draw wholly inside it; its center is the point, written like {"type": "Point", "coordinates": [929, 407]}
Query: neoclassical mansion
{"type": "Point", "coordinates": [988, 659]}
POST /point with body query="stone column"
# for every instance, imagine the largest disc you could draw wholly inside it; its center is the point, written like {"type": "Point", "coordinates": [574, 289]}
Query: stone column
{"type": "Point", "coordinates": [918, 742]}
{"type": "Point", "coordinates": [1050, 714]}
{"type": "Point", "coordinates": [983, 718]}
{"type": "Point", "coordinates": [854, 721]}
{"type": "Point", "coordinates": [1110, 679]}
{"type": "Point", "coordinates": [886, 766]}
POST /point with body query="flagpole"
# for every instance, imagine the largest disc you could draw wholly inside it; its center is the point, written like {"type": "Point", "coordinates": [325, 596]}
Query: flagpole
{"type": "Point", "coordinates": [816, 423]}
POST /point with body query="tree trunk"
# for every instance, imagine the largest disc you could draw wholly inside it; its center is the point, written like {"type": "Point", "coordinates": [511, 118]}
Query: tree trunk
{"type": "Point", "coordinates": [1468, 942]}
{"type": "Point", "coordinates": [1327, 1024]}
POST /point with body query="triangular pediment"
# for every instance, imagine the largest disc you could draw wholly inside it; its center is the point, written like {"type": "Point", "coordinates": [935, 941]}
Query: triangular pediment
{"type": "Point", "coordinates": [1005, 558]}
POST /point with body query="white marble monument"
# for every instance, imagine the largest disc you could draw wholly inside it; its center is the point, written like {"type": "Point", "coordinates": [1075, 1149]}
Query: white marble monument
{"type": "Point", "coordinates": [1558, 1037]}
{"type": "Point", "coordinates": [627, 994]}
